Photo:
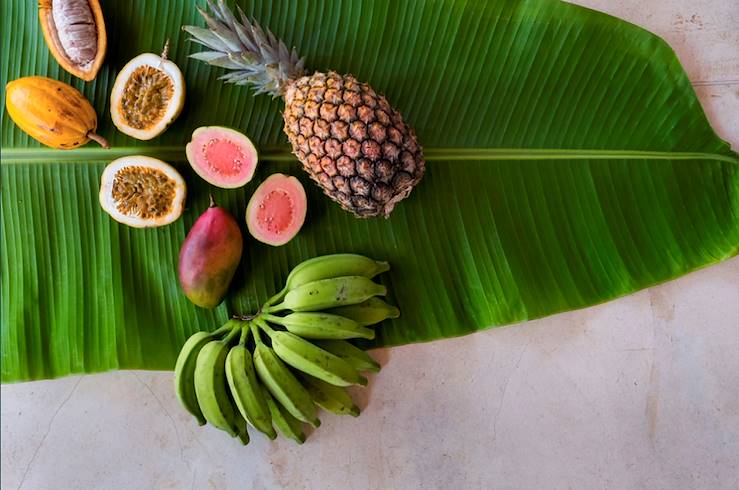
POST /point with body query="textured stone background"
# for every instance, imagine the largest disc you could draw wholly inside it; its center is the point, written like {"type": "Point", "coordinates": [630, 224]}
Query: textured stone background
{"type": "Point", "coordinates": [642, 392]}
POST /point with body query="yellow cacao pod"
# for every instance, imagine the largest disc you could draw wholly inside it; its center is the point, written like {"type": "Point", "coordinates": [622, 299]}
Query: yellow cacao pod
{"type": "Point", "coordinates": [52, 112]}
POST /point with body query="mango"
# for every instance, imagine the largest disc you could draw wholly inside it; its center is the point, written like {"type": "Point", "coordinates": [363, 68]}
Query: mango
{"type": "Point", "coordinates": [209, 257]}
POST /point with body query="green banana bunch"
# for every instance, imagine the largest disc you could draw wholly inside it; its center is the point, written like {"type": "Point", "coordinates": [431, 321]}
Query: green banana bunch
{"type": "Point", "coordinates": [245, 388]}
{"type": "Point", "coordinates": [320, 325]}
{"type": "Point", "coordinates": [184, 371]}
{"type": "Point", "coordinates": [282, 384]}
{"type": "Point", "coordinates": [231, 384]}
{"type": "Point", "coordinates": [329, 397]}
{"type": "Point", "coordinates": [369, 312]}
{"type": "Point", "coordinates": [329, 293]}
{"type": "Point", "coordinates": [311, 359]}
{"type": "Point", "coordinates": [356, 357]}
{"type": "Point", "coordinates": [211, 386]}
{"type": "Point", "coordinates": [288, 425]}
{"type": "Point", "coordinates": [328, 266]}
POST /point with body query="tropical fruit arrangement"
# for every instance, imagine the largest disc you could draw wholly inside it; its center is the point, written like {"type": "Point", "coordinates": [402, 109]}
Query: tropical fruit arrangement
{"type": "Point", "coordinates": [351, 142]}
{"type": "Point", "coordinates": [348, 138]}
{"type": "Point", "coordinates": [273, 368]}
{"type": "Point", "coordinates": [276, 366]}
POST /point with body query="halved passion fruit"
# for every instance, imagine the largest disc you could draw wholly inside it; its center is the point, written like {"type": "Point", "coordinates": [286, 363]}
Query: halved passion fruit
{"type": "Point", "coordinates": [147, 96]}
{"type": "Point", "coordinates": [222, 156]}
{"type": "Point", "coordinates": [276, 210]}
{"type": "Point", "coordinates": [142, 192]}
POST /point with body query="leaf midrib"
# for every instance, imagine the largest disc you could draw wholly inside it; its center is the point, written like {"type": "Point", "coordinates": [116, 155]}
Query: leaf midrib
{"type": "Point", "coordinates": [177, 154]}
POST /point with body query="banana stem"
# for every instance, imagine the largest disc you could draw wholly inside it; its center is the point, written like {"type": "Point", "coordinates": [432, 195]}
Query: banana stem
{"type": "Point", "coordinates": [233, 333]}
{"type": "Point", "coordinates": [276, 308]}
{"type": "Point", "coordinates": [255, 333]}
{"type": "Point", "coordinates": [244, 334]}
{"type": "Point", "coordinates": [221, 330]}
{"type": "Point", "coordinates": [274, 319]}
{"type": "Point", "coordinates": [277, 297]}
{"type": "Point", "coordinates": [263, 325]}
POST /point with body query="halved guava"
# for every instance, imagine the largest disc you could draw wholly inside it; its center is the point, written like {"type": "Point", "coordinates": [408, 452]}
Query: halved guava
{"type": "Point", "coordinates": [142, 191]}
{"type": "Point", "coordinates": [222, 156]}
{"type": "Point", "coordinates": [276, 210]}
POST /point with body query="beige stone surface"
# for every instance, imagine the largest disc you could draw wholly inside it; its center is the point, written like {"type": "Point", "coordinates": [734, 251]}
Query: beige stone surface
{"type": "Point", "coordinates": [642, 392]}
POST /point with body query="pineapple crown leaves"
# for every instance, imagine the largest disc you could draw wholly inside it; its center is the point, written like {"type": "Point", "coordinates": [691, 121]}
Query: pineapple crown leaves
{"type": "Point", "coordinates": [256, 56]}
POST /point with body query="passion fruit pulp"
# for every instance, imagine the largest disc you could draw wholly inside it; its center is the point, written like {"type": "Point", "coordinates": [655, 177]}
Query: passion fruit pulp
{"type": "Point", "coordinates": [147, 96]}
{"type": "Point", "coordinates": [142, 192]}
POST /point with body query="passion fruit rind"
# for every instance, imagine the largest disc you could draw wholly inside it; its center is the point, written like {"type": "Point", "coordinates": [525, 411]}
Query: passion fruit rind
{"type": "Point", "coordinates": [147, 96]}
{"type": "Point", "coordinates": [142, 192]}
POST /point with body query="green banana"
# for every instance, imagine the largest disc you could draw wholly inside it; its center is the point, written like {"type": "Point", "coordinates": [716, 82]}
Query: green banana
{"type": "Point", "coordinates": [243, 432]}
{"type": "Point", "coordinates": [211, 386]}
{"type": "Point", "coordinates": [288, 425]}
{"type": "Point", "coordinates": [329, 397]}
{"type": "Point", "coordinates": [246, 392]}
{"type": "Point", "coordinates": [283, 385]}
{"type": "Point", "coordinates": [369, 312]}
{"type": "Point", "coordinates": [319, 325]}
{"type": "Point", "coordinates": [356, 357]}
{"type": "Point", "coordinates": [184, 371]}
{"type": "Point", "coordinates": [328, 266]}
{"type": "Point", "coordinates": [328, 293]}
{"type": "Point", "coordinates": [311, 359]}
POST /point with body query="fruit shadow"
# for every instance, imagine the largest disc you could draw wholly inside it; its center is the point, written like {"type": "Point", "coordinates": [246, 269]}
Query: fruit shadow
{"type": "Point", "coordinates": [232, 200]}
{"type": "Point", "coordinates": [127, 28]}
{"type": "Point", "coordinates": [149, 302]}
{"type": "Point", "coordinates": [246, 295]}
{"type": "Point", "coordinates": [362, 394]}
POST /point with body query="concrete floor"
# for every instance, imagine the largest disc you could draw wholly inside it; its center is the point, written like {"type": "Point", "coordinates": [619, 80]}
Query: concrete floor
{"type": "Point", "coordinates": [642, 392]}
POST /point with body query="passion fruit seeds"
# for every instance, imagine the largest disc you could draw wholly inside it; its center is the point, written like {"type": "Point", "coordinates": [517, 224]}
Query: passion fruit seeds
{"type": "Point", "coordinates": [147, 96]}
{"type": "Point", "coordinates": [145, 191]}
{"type": "Point", "coordinates": [142, 192]}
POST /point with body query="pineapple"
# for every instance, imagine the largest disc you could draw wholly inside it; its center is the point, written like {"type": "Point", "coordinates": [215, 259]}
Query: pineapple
{"type": "Point", "coordinates": [348, 138]}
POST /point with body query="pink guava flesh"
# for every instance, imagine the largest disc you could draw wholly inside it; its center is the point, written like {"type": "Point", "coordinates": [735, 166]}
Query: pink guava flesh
{"type": "Point", "coordinates": [222, 156]}
{"type": "Point", "coordinates": [276, 210]}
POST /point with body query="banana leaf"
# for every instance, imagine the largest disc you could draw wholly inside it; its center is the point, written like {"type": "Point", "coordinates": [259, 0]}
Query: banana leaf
{"type": "Point", "coordinates": [569, 163]}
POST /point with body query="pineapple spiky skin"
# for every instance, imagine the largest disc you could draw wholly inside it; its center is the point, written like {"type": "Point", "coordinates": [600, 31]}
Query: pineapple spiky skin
{"type": "Point", "coordinates": [348, 138]}
{"type": "Point", "coordinates": [352, 143]}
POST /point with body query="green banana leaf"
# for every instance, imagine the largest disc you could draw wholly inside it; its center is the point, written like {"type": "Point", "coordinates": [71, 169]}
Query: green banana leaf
{"type": "Point", "coordinates": [569, 163]}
